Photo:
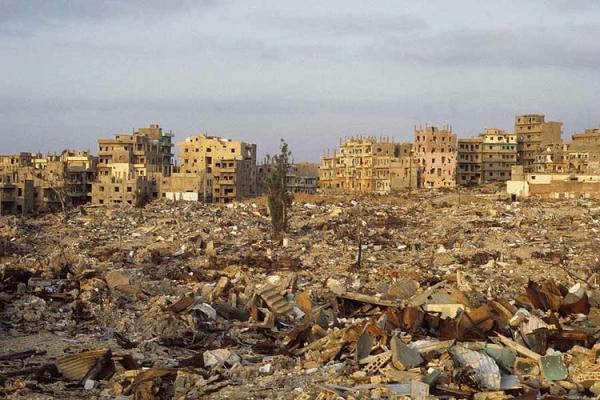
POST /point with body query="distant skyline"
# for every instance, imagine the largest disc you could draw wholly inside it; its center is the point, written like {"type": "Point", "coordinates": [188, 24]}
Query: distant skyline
{"type": "Point", "coordinates": [309, 72]}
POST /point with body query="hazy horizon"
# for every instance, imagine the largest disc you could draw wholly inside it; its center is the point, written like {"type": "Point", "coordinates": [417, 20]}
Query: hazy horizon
{"type": "Point", "coordinates": [308, 72]}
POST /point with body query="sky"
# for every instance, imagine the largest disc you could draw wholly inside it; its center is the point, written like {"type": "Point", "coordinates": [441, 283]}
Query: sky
{"type": "Point", "coordinates": [309, 72]}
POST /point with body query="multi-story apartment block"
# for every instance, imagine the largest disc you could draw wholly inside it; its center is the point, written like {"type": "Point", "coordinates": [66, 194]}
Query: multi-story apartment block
{"type": "Point", "coordinates": [487, 157]}
{"type": "Point", "coordinates": [363, 164]}
{"type": "Point", "coordinates": [469, 171]}
{"type": "Point", "coordinates": [552, 159]}
{"type": "Point", "coordinates": [534, 134]}
{"type": "Point", "coordinates": [136, 163]}
{"type": "Point", "coordinates": [55, 180]}
{"type": "Point", "coordinates": [301, 178]}
{"type": "Point", "coordinates": [223, 168]}
{"type": "Point", "coordinates": [403, 169]}
{"type": "Point", "coordinates": [498, 154]}
{"type": "Point", "coordinates": [436, 157]}
{"type": "Point", "coordinates": [16, 193]}
{"type": "Point", "coordinates": [584, 151]}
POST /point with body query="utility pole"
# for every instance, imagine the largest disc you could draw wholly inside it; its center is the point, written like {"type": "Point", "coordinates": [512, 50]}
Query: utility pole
{"type": "Point", "coordinates": [410, 171]}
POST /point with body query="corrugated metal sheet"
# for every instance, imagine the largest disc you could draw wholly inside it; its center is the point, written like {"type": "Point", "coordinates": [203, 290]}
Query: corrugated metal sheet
{"type": "Point", "coordinates": [76, 366]}
{"type": "Point", "coordinates": [271, 294]}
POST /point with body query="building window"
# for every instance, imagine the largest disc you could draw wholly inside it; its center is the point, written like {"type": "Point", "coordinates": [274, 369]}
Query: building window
{"type": "Point", "coordinates": [116, 189]}
{"type": "Point", "coordinates": [129, 189]}
{"type": "Point", "coordinates": [102, 188]}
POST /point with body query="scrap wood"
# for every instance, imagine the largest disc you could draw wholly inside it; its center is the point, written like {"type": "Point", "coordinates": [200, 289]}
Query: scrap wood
{"type": "Point", "coordinates": [21, 355]}
{"type": "Point", "coordinates": [144, 377]}
{"type": "Point", "coordinates": [518, 347]}
{"type": "Point", "coordinates": [363, 298]}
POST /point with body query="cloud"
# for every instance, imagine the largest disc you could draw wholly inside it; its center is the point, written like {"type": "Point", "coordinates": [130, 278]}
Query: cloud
{"type": "Point", "coordinates": [576, 6]}
{"type": "Point", "coordinates": [352, 25]}
{"type": "Point", "coordinates": [521, 49]}
{"type": "Point", "coordinates": [31, 15]}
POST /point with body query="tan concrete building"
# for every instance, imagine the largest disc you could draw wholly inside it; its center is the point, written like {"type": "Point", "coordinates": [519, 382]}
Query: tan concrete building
{"type": "Point", "coordinates": [134, 191]}
{"type": "Point", "coordinates": [435, 150]}
{"type": "Point", "coordinates": [469, 171]}
{"type": "Point", "coordinates": [301, 177]}
{"type": "Point", "coordinates": [498, 154]}
{"type": "Point", "coordinates": [363, 164]}
{"type": "Point", "coordinates": [534, 134]}
{"type": "Point", "coordinates": [136, 163]}
{"type": "Point", "coordinates": [224, 168]}
{"type": "Point", "coordinates": [403, 169]}
{"type": "Point", "coordinates": [181, 186]}
{"type": "Point", "coordinates": [56, 179]}
{"type": "Point", "coordinates": [552, 186]}
{"type": "Point", "coordinates": [16, 194]}
{"type": "Point", "coordinates": [553, 159]}
{"type": "Point", "coordinates": [584, 151]}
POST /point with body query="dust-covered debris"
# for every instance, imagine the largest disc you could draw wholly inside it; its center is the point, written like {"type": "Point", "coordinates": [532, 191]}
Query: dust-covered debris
{"type": "Point", "coordinates": [365, 297]}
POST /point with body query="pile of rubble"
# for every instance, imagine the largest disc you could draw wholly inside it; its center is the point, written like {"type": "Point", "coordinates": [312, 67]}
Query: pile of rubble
{"type": "Point", "coordinates": [454, 296]}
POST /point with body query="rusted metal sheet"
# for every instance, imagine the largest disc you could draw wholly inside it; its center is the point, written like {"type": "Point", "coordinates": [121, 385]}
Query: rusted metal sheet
{"type": "Point", "coordinates": [75, 367]}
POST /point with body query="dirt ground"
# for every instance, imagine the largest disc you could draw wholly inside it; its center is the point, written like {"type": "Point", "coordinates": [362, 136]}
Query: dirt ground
{"type": "Point", "coordinates": [197, 301]}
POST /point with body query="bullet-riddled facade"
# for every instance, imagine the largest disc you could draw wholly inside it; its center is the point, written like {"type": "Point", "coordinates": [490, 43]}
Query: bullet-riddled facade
{"type": "Point", "coordinates": [435, 150]}
{"type": "Point", "coordinates": [366, 165]}
{"type": "Point", "coordinates": [224, 168]}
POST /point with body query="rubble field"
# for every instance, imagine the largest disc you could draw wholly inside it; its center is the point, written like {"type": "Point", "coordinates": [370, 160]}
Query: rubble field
{"type": "Point", "coordinates": [425, 295]}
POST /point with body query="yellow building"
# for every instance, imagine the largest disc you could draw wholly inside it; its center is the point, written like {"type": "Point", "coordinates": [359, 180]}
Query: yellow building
{"type": "Point", "coordinates": [224, 168]}
{"type": "Point", "coordinates": [136, 162]}
{"type": "Point", "coordinates": [534, 134]}
{"type": "Point", "coordinates": [366, 165]}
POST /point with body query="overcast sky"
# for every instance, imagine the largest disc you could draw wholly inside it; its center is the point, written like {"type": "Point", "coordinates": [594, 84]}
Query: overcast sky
{"type": "Point", "coordinates": [308, 71]}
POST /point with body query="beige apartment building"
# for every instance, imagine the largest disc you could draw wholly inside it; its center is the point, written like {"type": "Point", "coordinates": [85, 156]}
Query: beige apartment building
{"type": "Point", "coordinates": [469, 171]}
{"type": "Point", "coordinates": [16, 193]}
{"type": "Point", "coordinates": [223, 169]}
{"type": "Point", "coordinates": [584, 151]}
{"type": "Point", "coordinates": [366, 165]}
{"type": "Point", "coordinates": [498, 154]}
{"type": "Point", "coordinates": [534, 134]}
{"type": "Point", "coordinates": [435, 150]}
{"type": "Point", "coordinates": [46, 182]}
{"type": "Point", "coordinates": [553, 159]}
{"type": "Point", "coordinates": [487, 157]}
{"type": "Point", "coordinates": [403, 169]}
{"type": "Point", "coordinates": [301, 177]}
{"type": "Point", "coordinates": [131, 167]}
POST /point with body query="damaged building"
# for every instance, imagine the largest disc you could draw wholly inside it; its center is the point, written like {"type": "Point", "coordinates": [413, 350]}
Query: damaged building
{"type": "Point", "coordinates": [553, 185]}
{"type": "Point", "coordinates": [131, 167]}
{"type": "Point", "coordinates": [535, 134]}
{"type": "Point", "coordinates": [301, 177]}
{"type": "Point", "coordinates": [487, 157]}
{"type": "Point", "coordinates": [435, 150]}
{"type": "Point", "coordinates": [41, 183]}
{"type": "Point", "coordinates": [368, 165]}
{"type": "Point", "coordinates": [217, 169]}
